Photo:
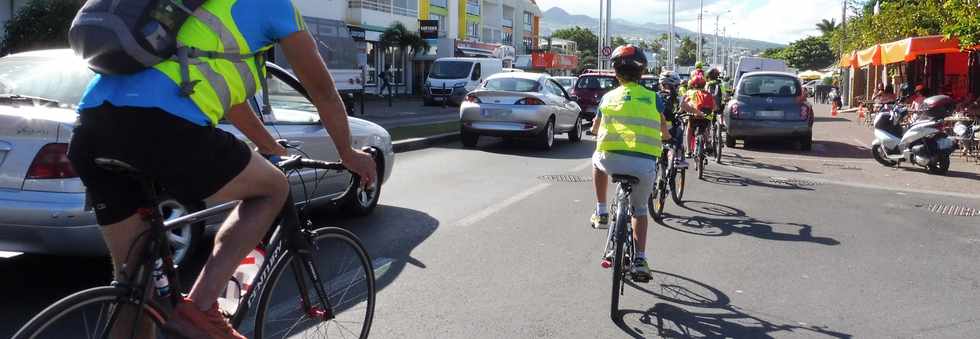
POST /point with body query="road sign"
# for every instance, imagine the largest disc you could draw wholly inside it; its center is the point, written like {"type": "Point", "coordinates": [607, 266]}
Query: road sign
{"type": "Point", "coordinates": [607, 51]}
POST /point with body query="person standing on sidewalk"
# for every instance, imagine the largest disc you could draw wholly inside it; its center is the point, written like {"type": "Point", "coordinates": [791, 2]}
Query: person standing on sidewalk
{"type": "Point", "coordinates": [385, 84]}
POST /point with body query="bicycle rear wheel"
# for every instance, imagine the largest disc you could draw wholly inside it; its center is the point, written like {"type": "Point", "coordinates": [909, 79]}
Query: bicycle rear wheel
{"type": "Point", "coordinates": [658, 198]}
{"type": "Point", "coordinates": [719, 144]}
{"type": "Point", "coordinates": [699, 155]}
{"type": "Point", "coordinates": [347, 278]}
{"type": "Point", "coordinates": [619, 261]}
{"type": "Point", "coordinates": [92, 313]}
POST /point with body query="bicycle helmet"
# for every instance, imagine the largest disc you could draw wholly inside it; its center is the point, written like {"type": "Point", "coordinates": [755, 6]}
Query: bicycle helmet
{"type": "Point", "coordinates": [699, 65]}
{"type": "Point", "coordinates": [713, 73]}
{"type": "Point", "coordinates": [629, 56]}
{"type": "Point", "coordinates": [939, 106]}
{"type": "Point", "coordinates": [670, 78]}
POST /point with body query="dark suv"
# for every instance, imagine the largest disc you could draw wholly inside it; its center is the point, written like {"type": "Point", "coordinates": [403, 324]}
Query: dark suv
{"type": "Point", "coordinates": [589, 89]}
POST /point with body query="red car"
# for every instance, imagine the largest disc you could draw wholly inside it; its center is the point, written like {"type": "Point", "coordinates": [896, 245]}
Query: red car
{"type": "Point", "coordinates": [590, 88]}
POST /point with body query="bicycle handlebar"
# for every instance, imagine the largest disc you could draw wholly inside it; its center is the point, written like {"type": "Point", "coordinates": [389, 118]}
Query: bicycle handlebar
{"type": "Point", "coordinates": [298, 162]}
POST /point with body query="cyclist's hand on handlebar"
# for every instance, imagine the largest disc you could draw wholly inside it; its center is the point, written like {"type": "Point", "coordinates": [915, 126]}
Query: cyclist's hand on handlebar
{"type": "Point", "coordinates": [272, 150]}
{"type": "Point", "coordinates": [362, 164]}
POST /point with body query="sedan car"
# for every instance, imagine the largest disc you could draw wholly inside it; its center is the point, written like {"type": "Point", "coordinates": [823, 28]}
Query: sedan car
{"type": "Point", "coordinates": [528, 105]}
{"type": "Point", "coordinates": [590, 88]}
{"type": "Point", "coordinates": [769, 105]}
{"type": "Point", "coordinates": [43, 206]}
{"type": "Point", "coordinates": [566, 82]}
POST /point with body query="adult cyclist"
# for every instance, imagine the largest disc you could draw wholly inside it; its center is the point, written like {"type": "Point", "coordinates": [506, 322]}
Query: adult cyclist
{"type": "Point", "coordinates": [145, 120]}
{"type": "Point", "coordinates": [669, 94]}
{"type": "Point", "coordinates": [628, 130]}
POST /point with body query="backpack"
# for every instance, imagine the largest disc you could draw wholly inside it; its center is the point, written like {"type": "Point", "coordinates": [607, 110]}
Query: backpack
{"type": "Point", "coordinates": [128, 36]}
{"type": "Point", "coordinates": [703, 101]}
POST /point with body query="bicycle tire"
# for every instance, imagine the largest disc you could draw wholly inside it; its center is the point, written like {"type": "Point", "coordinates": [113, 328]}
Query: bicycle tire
{"type": "Point", "coordinates": [699, 154]}
{"type": "Point", "coordinates": [328, 251]}
{"type": "Point", "coordinates": [55, 322]}
{"type": "Point", "coordinates": [618, 262]}
{"type": "Point", "coordinates": [657, 199]}
{"type": "Point", "coordinates": [719, 144]}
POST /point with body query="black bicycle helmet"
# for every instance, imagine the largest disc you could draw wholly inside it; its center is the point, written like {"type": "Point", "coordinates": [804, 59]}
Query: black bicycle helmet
{"type": "Point", "coordinates": [628, 55]}
{"type": "Point", "coordinates": [939, 106]}
{"type": "Point", "coordinates": [713, 73]}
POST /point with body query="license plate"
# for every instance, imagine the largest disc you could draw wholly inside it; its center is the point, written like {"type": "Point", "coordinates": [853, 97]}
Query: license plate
{"type": "Point", "coordinates": [438, 98]}
{"type": "Point", "coordinates": [770, 114]}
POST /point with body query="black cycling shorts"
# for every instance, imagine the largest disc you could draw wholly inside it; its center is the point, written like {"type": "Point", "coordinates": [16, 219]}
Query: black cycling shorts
{"type": "Point", "coordinates": [189, 162]}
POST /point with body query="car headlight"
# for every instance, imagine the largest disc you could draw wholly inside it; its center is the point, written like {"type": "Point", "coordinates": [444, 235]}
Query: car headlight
{"type": "Point", "coordinates": [460, 84]}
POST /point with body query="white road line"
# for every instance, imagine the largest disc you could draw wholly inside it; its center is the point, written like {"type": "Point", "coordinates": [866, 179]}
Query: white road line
{"type": "Point", "coordinates": [493, 209]}
{"type": "Point", "coordinates": [861, 143]}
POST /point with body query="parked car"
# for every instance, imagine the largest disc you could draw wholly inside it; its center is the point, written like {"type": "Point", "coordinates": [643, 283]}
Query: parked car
{"type": "Point", "coordinates": [651, 82]}
{"type": "Point", "coordinates": [43, 206]}
{"type": "Point", "coordinates": [530, 105]}
{"type": "Point", "coordinates": [450, 79]}
{"type": "Point", "coordinates": [769, 105]}
{"type": "Point", "coordinates": [566, 82]}
{"type": "Point", "coordinates": [589, 89]}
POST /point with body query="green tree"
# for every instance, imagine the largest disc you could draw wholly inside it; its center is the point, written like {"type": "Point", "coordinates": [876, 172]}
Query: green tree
{"type": "Point", "coordinates": [773, 53]}
{"type": "Point", "coordinates": [963, 21]}
{"type": "Point", "coordinates": [808, 53]}
{"type": "Point", "coordinates": [618, 41]}
{"type": "Point", "coordinates": [40, 24]}
{"type": "Point", "coordinates": [687, 52]}
{"type": "Point", "coordinates": [827, 26]}
{"type": "Point", "coordinates": [587, 43]}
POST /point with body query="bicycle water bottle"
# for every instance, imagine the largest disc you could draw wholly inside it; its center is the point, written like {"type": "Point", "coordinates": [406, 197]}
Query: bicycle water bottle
{"type": "Point", "coordinates": [249, 268]}
{"type": "Point", "coordinates": [159, 279]}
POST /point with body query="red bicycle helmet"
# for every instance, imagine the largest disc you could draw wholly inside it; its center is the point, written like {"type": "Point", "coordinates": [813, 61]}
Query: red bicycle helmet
{"type": "Point", "coordinates": [628, 55]}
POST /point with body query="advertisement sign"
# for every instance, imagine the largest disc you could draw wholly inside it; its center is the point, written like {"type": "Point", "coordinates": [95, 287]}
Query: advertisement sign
{"type": "Point", "coordinates": [429, 29]}
{"type": "Point", "coordinates": [356, 33]}
{"type": "Point", "coordinates": [551, 60]}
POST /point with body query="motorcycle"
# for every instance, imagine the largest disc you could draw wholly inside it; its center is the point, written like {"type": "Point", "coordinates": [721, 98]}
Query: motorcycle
{"type": "Point", "coordinates": [923, 143]}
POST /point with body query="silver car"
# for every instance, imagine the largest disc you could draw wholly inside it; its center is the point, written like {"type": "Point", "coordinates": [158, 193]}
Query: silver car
{"type": "Point", "coordinates": [43, 207]}
{"type": "Point", "coordinates": [525, 105]}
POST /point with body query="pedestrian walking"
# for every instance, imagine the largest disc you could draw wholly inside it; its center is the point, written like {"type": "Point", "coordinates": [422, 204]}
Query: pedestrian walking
{"type": "Point", "coordinates": [385, 84]}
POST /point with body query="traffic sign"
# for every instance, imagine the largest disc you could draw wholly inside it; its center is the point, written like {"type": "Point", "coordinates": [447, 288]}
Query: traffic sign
{"type": "Point", "coordinates": [607, 51]}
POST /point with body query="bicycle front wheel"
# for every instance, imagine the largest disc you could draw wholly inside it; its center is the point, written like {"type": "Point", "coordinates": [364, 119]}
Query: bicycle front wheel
{"type": "Point", "coordinates": [699, 155]}
{"type": "Point", "coordinates": [619, 261]}
{"type": "Point", "coordinates": [658, 198]}
{"type": "Point", "coordinates": [347, 279]}
{"type": "Point", "coordinates": [100, 312]}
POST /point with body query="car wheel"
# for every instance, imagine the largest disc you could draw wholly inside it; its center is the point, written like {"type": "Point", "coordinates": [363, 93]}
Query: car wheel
{"type": "Point", "coordinates": [360, 201]}
{"type": "Point", "coordinates": [575, 135]}
{"type": "Point", "coordinates": [546, 139]}
{"type": "Point", "coordinates": [806, 143]}
{"type": "Point", "coordinates": [469, 139]}
{"type": "Point", "coordinates": [184, 241]}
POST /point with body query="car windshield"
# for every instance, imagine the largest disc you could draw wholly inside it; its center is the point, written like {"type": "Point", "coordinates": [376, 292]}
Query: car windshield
{"type": "Point", "coordinates": [770, 86]}
{"type": "Point", "coordinates": [512, 85]}
{"type": "Point", "coordinates": [450, 69]}
{"type": "Point", "coordinates": [62, 79]}
{"type": "Point", "coordinates": [596, 83]}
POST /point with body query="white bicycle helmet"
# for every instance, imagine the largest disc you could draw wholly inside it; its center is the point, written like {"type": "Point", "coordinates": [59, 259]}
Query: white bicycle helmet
{"type": "Point", "coordinates": [670, 78]}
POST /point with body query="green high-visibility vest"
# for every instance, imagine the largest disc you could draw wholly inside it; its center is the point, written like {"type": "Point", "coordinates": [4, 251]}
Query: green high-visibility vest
{"type": "Point", "coordinates": [630, 121]}
{"type": "Point", "coordinates": [219, 82]}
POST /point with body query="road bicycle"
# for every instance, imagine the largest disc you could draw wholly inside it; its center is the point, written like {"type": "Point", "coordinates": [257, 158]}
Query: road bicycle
{"type": "Point", "coordinates": [314, 281]}
{"type": "Point", "coordinates": [716, 138]}
{"type": "Point", "coordinates": [619, 249]}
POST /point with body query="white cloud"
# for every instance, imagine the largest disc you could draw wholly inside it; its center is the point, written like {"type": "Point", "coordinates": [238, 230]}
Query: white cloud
{"type": "Point", "coordinates": [781, 21]}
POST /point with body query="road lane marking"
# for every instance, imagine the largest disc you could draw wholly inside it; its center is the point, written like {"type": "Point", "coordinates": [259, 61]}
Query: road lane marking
{"type": "Point", "coordinates": [493, 209]}
{"type": "Point", "coordinates": [582, 166]}
{"type": "Point", "coordinates": [861, 143]}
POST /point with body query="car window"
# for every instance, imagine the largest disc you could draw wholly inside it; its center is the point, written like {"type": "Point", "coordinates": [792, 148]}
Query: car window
{"type": "Point", "coordinates": [593, 82]}
{"type": "Point", "coordinates": [556, 88]}
{"type": "Point", "coordinates": [511, 85]}
{"type": "Point", "coordinates": [651, 84]}
{"type": "Point", "coordinates": [62, 79]}
{"type": "Point", "coordinates": [477, 73]}
{"type": "Point", "coordinates": [770, 85]}
{"type": "Point", "coordinates": [450, 69]}
{"type": "Point", "coordinates": [564, 82]}
{"type": "Point", "coordinates": [290, 106]}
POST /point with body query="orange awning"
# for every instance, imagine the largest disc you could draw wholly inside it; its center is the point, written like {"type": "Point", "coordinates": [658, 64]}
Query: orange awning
{"type": "Point", "coordinates": [848, 60]}
{"type": "Point", "coordinates": [911, 48]}
{"type": "Point", "coordinates": [869, 56]}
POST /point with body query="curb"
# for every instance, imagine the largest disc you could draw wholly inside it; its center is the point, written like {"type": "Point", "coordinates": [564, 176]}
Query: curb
{"type": "Point", "coordinates": [424, 142]}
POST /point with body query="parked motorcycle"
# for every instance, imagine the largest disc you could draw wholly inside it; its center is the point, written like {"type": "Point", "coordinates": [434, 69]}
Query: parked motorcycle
{"type": "Point", "coordinates": [923, 143]}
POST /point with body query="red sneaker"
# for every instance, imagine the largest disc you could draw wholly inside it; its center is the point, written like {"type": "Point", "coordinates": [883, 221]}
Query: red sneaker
{"type": "Point", "coordinates": [190, 322]}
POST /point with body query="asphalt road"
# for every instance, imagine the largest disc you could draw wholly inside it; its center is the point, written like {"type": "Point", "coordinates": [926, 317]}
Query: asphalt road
{"type": "Point", "coordinates": [478, 246]}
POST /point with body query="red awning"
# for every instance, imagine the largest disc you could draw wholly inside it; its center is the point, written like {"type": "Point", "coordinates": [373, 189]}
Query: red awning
{"type": "Point", "coordinates": [908, 49]}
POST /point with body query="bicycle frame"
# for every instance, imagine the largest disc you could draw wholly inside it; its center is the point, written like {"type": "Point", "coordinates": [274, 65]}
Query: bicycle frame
{"type": "Point", "coordinates": [622, 201]}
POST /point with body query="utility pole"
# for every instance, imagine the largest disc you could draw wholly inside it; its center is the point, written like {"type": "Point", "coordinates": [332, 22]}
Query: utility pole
{"type": "Point", "coordinates": [714, 57]}
{"type": "Point", "coordinates": [700, 21]}
{"type": "Point", "coordinates": [673, 23]}
{"type": "Point", "coordinates": [670, 35]}
{"type": "Point", "coordinates": [602, 42]}
{"type": "Point", "coordinates": [608, 35]}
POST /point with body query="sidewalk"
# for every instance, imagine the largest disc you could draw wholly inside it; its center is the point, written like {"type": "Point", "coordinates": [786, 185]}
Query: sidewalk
{"type": "Point", "coordinates": [404, 111]}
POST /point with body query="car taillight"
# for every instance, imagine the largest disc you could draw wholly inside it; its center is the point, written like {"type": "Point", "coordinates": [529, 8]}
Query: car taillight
{"type": "Point", "coordinates": [529, 101]}
{"type": "Point", "coordinates": [805, 112]}
{"type": "Point", "coordinates": [51, 162]}
{"type": "Point", "coordinates": [735, 112]}
{"type": "Point", "coordinates": [472, 98]}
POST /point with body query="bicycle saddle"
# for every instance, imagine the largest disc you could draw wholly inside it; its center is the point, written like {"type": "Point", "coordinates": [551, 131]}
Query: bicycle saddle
{"type": "Point", "coordinates": [116, 166]}
{"type": "Point", "coordinates": [629, 179]}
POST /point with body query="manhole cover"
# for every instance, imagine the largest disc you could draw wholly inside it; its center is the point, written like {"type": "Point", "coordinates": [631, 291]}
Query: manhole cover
{"type": "Point", "coordinates": [952, 210]}
{"type": "Point", "coordinates": [565, 178]}
{"type": "Point", "coordinates": [791, 181]}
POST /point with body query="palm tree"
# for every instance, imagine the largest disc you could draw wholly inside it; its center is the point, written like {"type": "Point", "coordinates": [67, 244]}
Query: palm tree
{"type": "Point", "coordinates": [410, 43]}
{"type": "Point", "coordinates": [827, 27]}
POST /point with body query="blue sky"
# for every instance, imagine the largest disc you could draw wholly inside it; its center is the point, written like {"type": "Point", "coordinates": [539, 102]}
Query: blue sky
{"type": "Point", "coordinates": [781, 21]}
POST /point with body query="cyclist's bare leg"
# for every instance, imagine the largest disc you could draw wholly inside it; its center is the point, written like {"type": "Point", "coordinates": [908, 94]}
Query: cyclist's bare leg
{"type": "Point", "coordinates": [601, 182]}
{"type": "Point", "coordinates": [640, 224]}
{"type": "Point", "coordinates": [119, 238]}
{"type": "Point", "coordinates": [263, 189]}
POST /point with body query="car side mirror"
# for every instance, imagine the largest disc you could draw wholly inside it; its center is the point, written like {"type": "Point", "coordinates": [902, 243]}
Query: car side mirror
{"type": "Point", "coordinates": [573, 98]}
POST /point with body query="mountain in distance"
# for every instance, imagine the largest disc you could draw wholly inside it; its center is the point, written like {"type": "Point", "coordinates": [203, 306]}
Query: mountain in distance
{"type": "Point", "coordinates": [556, 18]}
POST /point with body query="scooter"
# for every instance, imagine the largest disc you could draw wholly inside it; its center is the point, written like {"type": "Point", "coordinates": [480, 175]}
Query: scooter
{"type": "Point", "coordinates": [922, 144]}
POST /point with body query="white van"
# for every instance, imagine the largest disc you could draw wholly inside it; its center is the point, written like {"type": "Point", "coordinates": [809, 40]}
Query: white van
{"type": "Point", "coordinates": [756, 64]}
{"type": "Point", "coordinates": [450, 79]}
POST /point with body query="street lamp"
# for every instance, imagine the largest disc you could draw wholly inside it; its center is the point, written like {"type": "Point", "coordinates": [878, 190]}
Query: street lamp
{"type": "Point", "coordinates": [714, 59]}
